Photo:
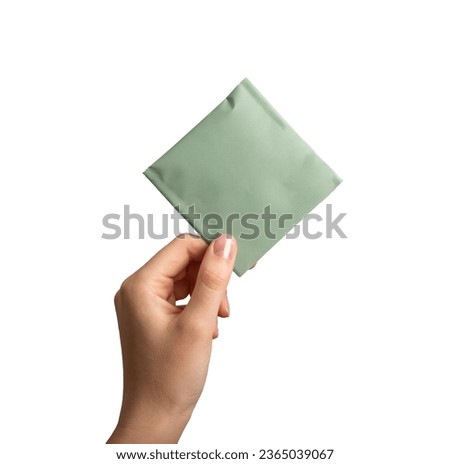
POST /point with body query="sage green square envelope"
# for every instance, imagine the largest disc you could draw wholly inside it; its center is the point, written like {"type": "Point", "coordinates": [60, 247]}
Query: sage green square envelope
{"type": "Point", "coordinates": [245, 171]}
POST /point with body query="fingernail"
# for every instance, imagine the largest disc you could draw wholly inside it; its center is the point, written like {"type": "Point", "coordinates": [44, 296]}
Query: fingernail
{"type": "Point", "coordinates": [222, 246]}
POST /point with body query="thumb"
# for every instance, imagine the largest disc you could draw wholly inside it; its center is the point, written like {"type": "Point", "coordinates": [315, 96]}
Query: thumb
{"type": "Point", "coordinates": [212, 280]}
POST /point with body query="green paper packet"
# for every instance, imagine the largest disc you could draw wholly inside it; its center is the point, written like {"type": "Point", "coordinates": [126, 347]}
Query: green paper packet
{"type": "Point", "coordinates": [238, 161]}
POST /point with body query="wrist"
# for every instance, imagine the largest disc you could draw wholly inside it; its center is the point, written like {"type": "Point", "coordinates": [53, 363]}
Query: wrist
{"type": "Point", "coordinates": [150, 424]}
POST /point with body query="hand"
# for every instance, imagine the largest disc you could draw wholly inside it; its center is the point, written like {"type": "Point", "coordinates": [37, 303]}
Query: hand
{"type": "Point", "coordinates": [166, 348]}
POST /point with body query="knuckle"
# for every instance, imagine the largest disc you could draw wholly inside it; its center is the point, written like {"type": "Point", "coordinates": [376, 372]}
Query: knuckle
{"type": "Point", "coordinates": [213, 280]}
{"type": "Point", "coordinates": [117, 298]}
{"type": "Point", "coordinates": [126, 288]}
{"type": "Point", "coordinates": [131, 288]}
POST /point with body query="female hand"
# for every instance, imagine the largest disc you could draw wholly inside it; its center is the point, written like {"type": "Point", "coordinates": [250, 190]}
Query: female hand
{"type": "Point", "coordinates": [166, 348]}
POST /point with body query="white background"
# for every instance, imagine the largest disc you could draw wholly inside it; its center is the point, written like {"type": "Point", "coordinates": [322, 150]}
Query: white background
{"type": "Point", "coordinates": [337, 343]}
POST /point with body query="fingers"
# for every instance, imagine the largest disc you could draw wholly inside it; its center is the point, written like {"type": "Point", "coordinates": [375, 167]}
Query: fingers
{"type": "Point", "coordinates": [171, 260]}
{"type": "Point", "coordinates": [212, 280]}
{"type": "Point", "coordinates": [183, 288]}
{"type": "Point", "coordinates": [224, 309]}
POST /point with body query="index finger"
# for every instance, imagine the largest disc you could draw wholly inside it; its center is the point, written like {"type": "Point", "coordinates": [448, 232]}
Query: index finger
{"type": "Point", "coordinates": [174, 257]}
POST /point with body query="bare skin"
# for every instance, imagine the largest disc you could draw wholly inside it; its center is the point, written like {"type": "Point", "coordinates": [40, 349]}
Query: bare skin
{"type": "Point", "coordinates": [166, 348]}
